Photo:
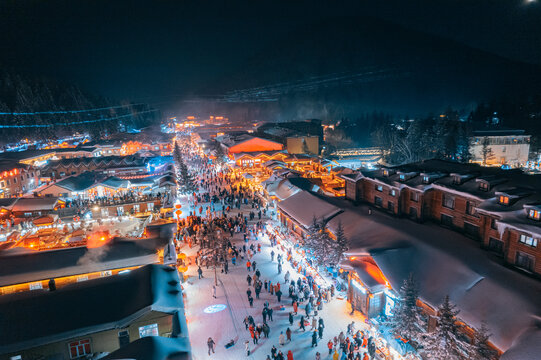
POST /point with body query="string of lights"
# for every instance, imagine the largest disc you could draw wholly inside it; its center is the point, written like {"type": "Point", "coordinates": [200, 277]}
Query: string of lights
{"type": "Point", "coordinates": [72, 123]}
{"type": "Point", "coordinates": [69, 111]}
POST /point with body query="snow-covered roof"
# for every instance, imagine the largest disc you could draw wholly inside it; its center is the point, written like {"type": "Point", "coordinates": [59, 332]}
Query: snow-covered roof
{"type": "Point", "coordinates": [445, 263]}
{"type": "Point", "coordinates": [527, 346]}
{"type": "Point", "coordinates": [59, 317]}
{"type": "Point", "coordinates": [24, 266]}
{"type": "Point", "coordinates": [303, 207]}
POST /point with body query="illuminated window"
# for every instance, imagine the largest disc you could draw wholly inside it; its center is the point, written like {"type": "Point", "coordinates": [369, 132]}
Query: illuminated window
{"type": "Point", "coordinates": [426, 179]}
{"type": "Point", "coordinates": [379, 188]}
{"type": "Point", "coordinates": [392, 192]}
{"type": "Point", "coordinates": [483, 186]}
{"type": "Point", "coordinates": [528, 240]}
{"type": "Point", "coordinates": [402, 177]}
{"type": "Point", "coordinates": [79, 348]}
{"type": "Point", "coordinates": [534, 214]}
{"type": "Point", "coordinates": [148, 330]}
{"type": "Point", "coordinates": [504, 200]}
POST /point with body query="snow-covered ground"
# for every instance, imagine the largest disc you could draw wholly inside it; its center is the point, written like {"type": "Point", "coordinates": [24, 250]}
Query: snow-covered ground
{"type": "Point", "coordinates": [227, 324]}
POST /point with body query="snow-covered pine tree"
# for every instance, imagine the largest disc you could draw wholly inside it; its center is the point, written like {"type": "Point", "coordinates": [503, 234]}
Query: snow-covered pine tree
{"type": "Point", "coordinates": [445, 343]}
{"type": "Point", "coordinates": [187, 183]}
{"type": "Point", "coordinates": [340, 246]}
{"type": "Point", "coordinates": [481, 350]}
{"type": "Point", "coordinates": [407, 318]}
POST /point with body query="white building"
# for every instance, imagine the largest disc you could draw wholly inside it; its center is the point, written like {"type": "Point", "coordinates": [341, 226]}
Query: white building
{"type": "Point", "coordinates": [500, 147]}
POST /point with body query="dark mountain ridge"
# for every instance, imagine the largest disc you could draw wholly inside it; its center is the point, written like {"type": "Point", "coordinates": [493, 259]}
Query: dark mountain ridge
{"type": "Point", "coordinates": [380, 65]}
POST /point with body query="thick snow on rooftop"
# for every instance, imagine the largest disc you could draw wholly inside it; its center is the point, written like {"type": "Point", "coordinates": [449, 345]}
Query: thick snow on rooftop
{"type": "Point", "coordinates": [303, 207]}
{"type": "Point", "coordinates": [445, 263]}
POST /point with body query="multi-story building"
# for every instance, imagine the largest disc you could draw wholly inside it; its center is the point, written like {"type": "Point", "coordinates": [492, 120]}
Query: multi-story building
{"type": "Point", "coordinates": [17, 178]}
{"type": "Point", "coordinates": [499, 208]}
{"type": "Point", "coordinates": [500, 147]}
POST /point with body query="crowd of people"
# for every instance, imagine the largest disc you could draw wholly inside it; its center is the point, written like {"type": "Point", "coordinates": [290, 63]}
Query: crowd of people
{"type": "Point", "coordinates": [216, 218]}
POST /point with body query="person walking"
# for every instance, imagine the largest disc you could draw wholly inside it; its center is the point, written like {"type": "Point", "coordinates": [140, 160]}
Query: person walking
{"type": "Point", "coordinates": [214, 291]}
{"type": "Point", "coordinates": [248, 265]}
{"type": "Point", "coordinates": [279, 295]}
{"type": "Point", "coordinates": [272, 255]}
{"type": "Point", "coordinates": [288, 334]}
{"type": "Point", "coordinates": [273, 351]}
{"type": "Point", "coordinates": [281, 339]}
{"type": "Point", "coordinates": [301, 323]}
{"type": "Point", "coordinates": [330, 346]}
{"type": "Point", "coordinates": [320, 330]}
{"type": "Point", "coordinates": [249, 280]}
{"type": "Point", "coordinates": [314, 338]}
{"type": "Point", "coordinates": [289, 355]}
{"type": "Point", "coordinates": [318, 356]}
{"type": "Point", "coordinates": [269, 313]}
{"type": "Point", "coordinates": [314, 324]}
{"type": "Point", "coordinates": [210, 344]}
{"type": "Point", "coordinates": [290, 318]}
{"type": "Point", "coordinates": [200, 272]}
{"type": "Point", "coordinates": [295, 307]}
{"type": "Point", "coordinates": [247, 347]}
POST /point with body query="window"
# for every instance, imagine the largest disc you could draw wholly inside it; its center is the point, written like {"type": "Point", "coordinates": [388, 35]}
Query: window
{"type": "Point", "coordinates": [136, 208]}
{"type": "Point", "coordinates": [35, 285]}
{"type": "Point", "coordinates": [456, 180]}
{"type": "Point", "coordinates": [504, 200]}
{"type": "Point", "coordinates": [379, 188]}
{"type": "Point", "coordinates": [470, 208]}
{"type": "Point", "coordinates": [493, 224]}
{"type": "Point", "coordinates": [414, 196]}
{"type": "Point", "coordinates": [446, 220]}
{"type": "Point", "coordinates": [534, 214]}
{"type": "Point", "coordinates": [27, 214]}
{"type": "Point", "coordinates": [448, 201]}
{"type": "Point", "coordinates": [79, 348]}
{"type": "Point", "coordinates": [15, 180]}
{"type": "Point", "coordinates": [528, 240]}
{"type": "Point", "coordinates": [471, 230]}
{"type": "Point", "coordinates": [390, 206]}
{"type": "Point", "coordinates": [426, 179]}
{"type": "Point", "coordinates": [2, 184]}
{"type": "Point", "coordinates": [7, 182]}
{"type": "Point", "coordinates": [378, 201]}
{"type": "Point", "coordinates": [402, 177]}
{"type": "Point", "coordinates": [524, 261]}
{"type": "Point", "coordinates": [123, 338]}
{"type": "Point", "coordinates": [483, 186]}
{"type": "Point", "coordinates": [495, 245]}
{"type": "Point", "coordinates": [148, 330]}
{"type": "Point", "coordinates": [150, 206]}
{"type": "Point", "coordinates": [392, 192]}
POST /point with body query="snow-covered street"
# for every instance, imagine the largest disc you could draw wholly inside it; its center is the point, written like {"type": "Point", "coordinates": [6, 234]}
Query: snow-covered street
{"type": "Point", "coordinates": [227, 324]}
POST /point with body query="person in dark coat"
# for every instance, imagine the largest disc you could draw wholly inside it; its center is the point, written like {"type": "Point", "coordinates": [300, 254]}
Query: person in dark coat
{"type": "Point", "coordinates": [314, 338]}
{"type": "Point", "coordinates": [290, 319]}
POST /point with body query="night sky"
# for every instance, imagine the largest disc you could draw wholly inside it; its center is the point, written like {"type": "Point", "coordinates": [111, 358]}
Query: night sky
{"type": "Point", "coordinates": [157, 50]}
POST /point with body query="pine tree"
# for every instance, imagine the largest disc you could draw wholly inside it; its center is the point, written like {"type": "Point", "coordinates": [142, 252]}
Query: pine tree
{"type": "Point", "coordinates": [407, 317]}
{"type": "Point", "coordinates": [187, 183]}
{"type": "Point", "coordinates": [481, 350]}
{"type": "Point", "coordinates": [219, 153]}
{"type": "Point", "coordinates": [340, 246]}
{"type": "Point", "coordinates": [444, 343]}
